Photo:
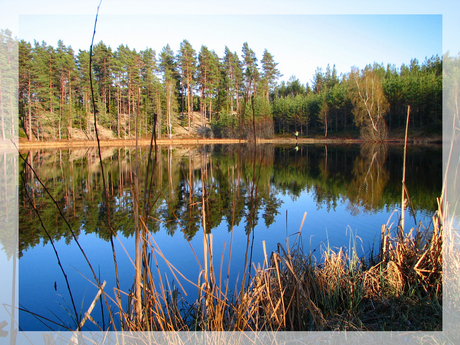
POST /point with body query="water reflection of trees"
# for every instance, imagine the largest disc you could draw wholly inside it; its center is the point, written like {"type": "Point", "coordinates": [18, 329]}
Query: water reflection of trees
{"type": "Point", "coordinates": [370, 178]}
{"type": "Point", "coordinates": [230, 184]}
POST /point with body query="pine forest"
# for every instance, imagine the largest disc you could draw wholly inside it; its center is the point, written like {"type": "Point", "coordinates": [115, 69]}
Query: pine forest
{"type": "Point", "coordinates": [199, 93]}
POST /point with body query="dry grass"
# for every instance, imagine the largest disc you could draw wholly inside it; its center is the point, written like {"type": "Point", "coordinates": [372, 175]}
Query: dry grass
{"type": "Point", "coordinates": [400, 290]}
{"type": "Point", "coordinates": [344, 293]}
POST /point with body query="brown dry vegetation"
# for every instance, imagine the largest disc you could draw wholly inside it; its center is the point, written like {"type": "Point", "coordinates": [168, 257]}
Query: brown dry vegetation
{"type": "Point", "coordinates": [400, 289]}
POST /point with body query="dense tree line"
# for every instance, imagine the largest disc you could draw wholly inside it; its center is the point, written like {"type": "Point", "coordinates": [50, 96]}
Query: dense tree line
{"type": "Point", "coordinates": [235, 95]}
{"type": "Point", "coordinates": [373, 100]}
{"type": "Point", "coordinates": [130, 86]}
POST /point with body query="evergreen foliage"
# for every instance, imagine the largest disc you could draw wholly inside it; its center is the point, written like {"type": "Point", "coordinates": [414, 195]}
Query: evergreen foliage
{"type": "Point", "coordinates": [54, 96]}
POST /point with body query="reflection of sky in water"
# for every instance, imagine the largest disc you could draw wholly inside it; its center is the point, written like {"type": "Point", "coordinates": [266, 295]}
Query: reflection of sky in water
{"type": "Point", "coordinates": [334, 222]}
{"type": "Point", "coordinates": [39, 269]}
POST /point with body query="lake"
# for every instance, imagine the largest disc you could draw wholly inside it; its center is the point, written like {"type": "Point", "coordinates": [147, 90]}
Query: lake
{"type": "Point", "coordinates": [244, 196]}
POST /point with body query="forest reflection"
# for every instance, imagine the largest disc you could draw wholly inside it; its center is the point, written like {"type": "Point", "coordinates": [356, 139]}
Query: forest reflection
{"type": "Point", "coordinates": [191, 188]}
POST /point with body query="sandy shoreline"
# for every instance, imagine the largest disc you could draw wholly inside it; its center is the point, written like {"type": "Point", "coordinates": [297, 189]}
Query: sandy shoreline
{"type": "Point", "coordinates": [24, 145]}
{"type": "Point", "coordinates": [163, 142]}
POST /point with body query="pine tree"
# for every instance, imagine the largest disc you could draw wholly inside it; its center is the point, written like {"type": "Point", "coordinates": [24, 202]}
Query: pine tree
{"type": "Point", "coordinates": [186, 59]}
{"type": "Point", "coordinates": [168, 68]}
{"type": "Point", "coordinates": [251, 77]}
{"type": "Point", "coordinates": [269, 72]}
{"type": "Point", "coordinates": [84, 90]}
{"type": "Point", "coordinates": [228, 79]}
{"type": "Point", "coordinates": [251, 73]}
{"type": "Point", "coordinates": [65, 68]}
{"type": "Point", "coordinates": [137, 84]}
{"type": "Point", "coordinates": [102, 67]}
{"type": "Point", "coordinates": [119, 78]}
{"type": "Point", "coordinates": [208, 78]}
{"type": "Point", "coordinates": [46, 85]}
{"type": "Point", "coordinates": [129, 68]}
{"type": "Point", "coordinates": [149, 79]}
{"type": "Point", "coordinates": [213, 80]}
{"type": "Point", "coordinates": [25, 86]}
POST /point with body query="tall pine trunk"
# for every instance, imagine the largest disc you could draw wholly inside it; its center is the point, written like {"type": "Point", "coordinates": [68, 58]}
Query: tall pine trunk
{"type": "Point", "coordinates": [168, 106]}
{"type": "Point", "coordinates": [70, 105]}
{"type": "Point", "coordinates": [189, 89]}
{"type": "Point", "coordinates": [29, 120]}
{"type": "Point", "coordinates": [118, 110]}
{"type": "Point", "coordinates": [158, 115]}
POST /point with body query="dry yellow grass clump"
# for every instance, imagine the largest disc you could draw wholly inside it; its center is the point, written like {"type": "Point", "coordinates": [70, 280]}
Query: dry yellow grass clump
{"type": "Point", "coordinates": [399, 289]}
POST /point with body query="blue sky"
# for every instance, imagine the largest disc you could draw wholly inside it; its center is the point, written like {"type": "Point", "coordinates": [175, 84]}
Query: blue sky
{"type": "Point", "coordinates": [302, 35]}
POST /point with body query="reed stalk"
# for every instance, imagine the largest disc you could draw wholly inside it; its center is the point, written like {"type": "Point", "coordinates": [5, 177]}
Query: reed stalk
{"type": "Point", "coordinates": [403, 192]}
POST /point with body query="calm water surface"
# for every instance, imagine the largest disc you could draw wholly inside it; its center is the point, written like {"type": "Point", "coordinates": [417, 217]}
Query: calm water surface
{"type": "Point", "coordinates": [250, 195]}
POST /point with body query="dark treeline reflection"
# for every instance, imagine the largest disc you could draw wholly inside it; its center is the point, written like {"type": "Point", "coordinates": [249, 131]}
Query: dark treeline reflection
{"type": "Point", "coordinates": [234, 184]}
